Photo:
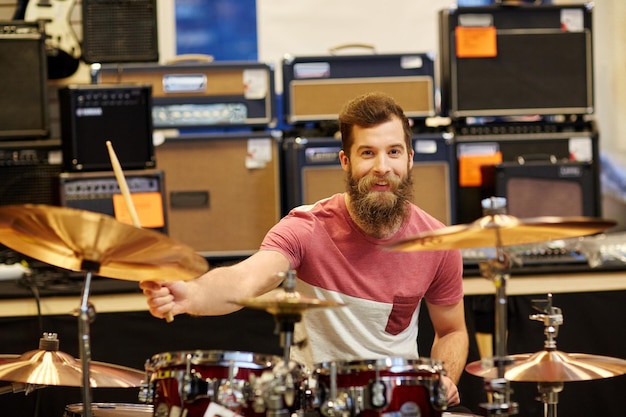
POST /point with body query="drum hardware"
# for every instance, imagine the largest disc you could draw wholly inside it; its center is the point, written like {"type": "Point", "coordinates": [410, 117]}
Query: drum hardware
{"type": "Point", "coordinates": [550, 368]}
{"type": "Point", "coordinates": [498, 229]}
{"type": "Point", "coordinates": [338, 405]}
{"type": "Point", "coordinates": [94, 243]}
{"type": "Point", "coordinates": [199, 383]}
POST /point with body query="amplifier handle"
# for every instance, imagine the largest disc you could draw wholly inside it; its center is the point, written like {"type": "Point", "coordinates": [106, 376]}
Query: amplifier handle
{"type": "Point", "coordinates": [181, 59]}
{"type": "Point", "coordinates": [335, 49]}
{"type": "Point", "coordinates": [522, 159]}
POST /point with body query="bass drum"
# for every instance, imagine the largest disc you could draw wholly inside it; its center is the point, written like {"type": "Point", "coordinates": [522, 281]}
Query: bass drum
{"type": "Point", "coordinates": [110, 410]}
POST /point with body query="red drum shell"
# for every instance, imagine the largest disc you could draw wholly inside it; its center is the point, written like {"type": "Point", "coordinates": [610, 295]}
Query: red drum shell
{"type": "Point", "coordinates": [407, 384]}
{"type": "Point", "coordinates": [169, 370]}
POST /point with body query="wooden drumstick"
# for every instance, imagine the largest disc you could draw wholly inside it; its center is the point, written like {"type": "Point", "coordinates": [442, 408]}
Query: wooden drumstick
{"type": "Point", "coordinates": [121, 181]}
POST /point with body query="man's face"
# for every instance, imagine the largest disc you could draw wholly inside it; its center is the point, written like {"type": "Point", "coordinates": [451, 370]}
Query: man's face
{"type": "Point", "coordinates": [378, 173]}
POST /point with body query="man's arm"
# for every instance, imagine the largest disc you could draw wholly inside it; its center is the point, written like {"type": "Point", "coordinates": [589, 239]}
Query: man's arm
{"type": "Point", "coordinates": [451, 342]}
{"type": "Point", "coordinates": [214, 292]}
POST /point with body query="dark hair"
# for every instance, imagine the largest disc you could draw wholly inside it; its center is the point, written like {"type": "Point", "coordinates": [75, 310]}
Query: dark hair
{"type": "Point", "coordinates": [370, 110]}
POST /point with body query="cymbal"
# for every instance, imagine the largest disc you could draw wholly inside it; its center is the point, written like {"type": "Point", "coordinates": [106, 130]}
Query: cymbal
{"type": "Point", "coordinates": [499, 230]}
{"type": "Point", "coordinates": [552, 366]}
{"type": "Point", "coordinates": [279, 301]}
{"type": "Point", "coordinates": [81, 240]}
{"type": "Point", "coordinates": [45, 367]}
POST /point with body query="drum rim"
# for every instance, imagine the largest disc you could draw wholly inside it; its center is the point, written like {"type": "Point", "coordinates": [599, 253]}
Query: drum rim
{"type": "Point", "coordinates": [243, 359]}
{"type": "Point", "coordinates": [109, 405]}
{"type": "Point", "coordinates": [389, 364]}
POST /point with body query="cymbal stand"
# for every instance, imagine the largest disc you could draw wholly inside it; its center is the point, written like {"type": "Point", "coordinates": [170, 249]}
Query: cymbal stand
{"type": "Point", "coordinates": [285, 321]}
{"type": "Point", "coordinates": [86, 315]}
{"type": "Point", "coordinates": [497, 271]}
{"type": "Point", "coordinates": [281, 390]}
{"type": "Point", "coordinates": [552, 318]}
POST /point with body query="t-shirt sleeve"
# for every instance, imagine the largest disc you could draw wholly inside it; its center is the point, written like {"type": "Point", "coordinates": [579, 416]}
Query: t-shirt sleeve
{"type": "Point", "coordinates": [289, 236]}
{"type": "Point", "coordinates": [447, 286]}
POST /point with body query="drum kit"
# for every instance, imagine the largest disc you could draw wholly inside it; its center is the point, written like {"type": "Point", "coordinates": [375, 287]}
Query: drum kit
{"type": "Point", "coordinates": [229, 383]}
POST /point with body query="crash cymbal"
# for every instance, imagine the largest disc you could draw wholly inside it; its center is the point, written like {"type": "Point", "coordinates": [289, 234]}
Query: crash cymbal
{"type": "Point", "coordinates": [552, 366]}
{"type": "Point", "coordinates": [82, 240]}
{"type": "Point", "coordinates": [500, 230]}
{"type": "Point", "coordinates": [49, 366]}
{"type": "Point", "coordinates": [279, 301]}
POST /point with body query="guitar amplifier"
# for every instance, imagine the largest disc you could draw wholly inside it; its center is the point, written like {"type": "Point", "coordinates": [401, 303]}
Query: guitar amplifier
{"type": "Point", "coordinates": [93, 114]}
{"type": "Point", "coordinates": [100, 192]}
{"type": "Point", "coordinates": [549, 188]}
{"type": "Point", "coordinates": [525, 59]}
{"type": "Point", "coordinates": [24, 110]}
{"type": "Point", "coordinates": [315, 88]}
{"type": "Point", "coordinates": [29, 172]}
{"type": "Point", "coordinates": [486, 160]}
{"type": "Point", "coordinates": [313, 172]}
{"type": "Point", "coordinates": [191, 95]}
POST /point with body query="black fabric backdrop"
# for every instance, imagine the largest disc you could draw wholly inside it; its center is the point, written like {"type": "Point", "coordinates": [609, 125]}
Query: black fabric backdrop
{"type": "Point", "coordinates": [593, 323]}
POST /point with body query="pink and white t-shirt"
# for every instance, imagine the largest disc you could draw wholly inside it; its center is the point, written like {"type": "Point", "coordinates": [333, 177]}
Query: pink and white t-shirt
{"type": "Point", "coordinates": [382, 289]}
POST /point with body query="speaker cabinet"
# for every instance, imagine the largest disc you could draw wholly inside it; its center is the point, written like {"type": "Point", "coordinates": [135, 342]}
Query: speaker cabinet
{"type": "Point", "coordinates": [120, 31]}
{"type": "Point", "coordinates": [222, 192]}
{"type": "Point", "coordinates": [100, 192]}
{"type": "Point", "coordinates": [313, 172]}
{"type": "Point", "coordinates": [29, 171]}
{"type": "Point", "coordinates": [91, 115]}
{"type": "Point", "coordinates": [548, 189]}
{"type": "Point", "coordinates": [23, 82]}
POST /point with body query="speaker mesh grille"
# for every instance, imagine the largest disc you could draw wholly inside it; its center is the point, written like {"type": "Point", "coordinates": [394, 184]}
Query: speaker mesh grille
{"type": "Point", "coordinates": [120, 31]}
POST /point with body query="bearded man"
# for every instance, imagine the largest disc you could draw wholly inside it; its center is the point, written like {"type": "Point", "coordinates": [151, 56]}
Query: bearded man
{"type": "Point", "coordinates": [337, 248]}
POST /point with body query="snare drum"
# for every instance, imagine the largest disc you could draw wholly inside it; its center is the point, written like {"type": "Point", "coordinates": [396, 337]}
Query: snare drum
{"type": "Point", "coordinates": [110, 410]}
{"type": "Point", "coordinates": [388, 387]}
{"type": "Point", "coordinates": [190, 382]}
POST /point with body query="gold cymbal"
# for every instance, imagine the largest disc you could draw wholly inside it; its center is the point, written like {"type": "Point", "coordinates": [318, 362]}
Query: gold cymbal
{"type": "Point", "coordinates": [503, 230]}
{"type": "Point", "coordinates": [45, 367]}
{"type": "Point", "coordinates": [279, 301]}
{"type": "Point", "coordinates": [81, 240]}
{"type": "Point", "coordinates": [552, 366]}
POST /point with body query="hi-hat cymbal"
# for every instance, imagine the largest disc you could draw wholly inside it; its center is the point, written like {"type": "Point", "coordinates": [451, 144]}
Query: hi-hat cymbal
{"type": "Point", "coordinates": [279, 301]}
{"type": "Point", "coordinates": [81, 240]}
{"type": "Point", "coordinates": [45, 367]}
{"type": "Point", "coordinates": [500, 230]}
{"type": "Point", "coordinates": [552, 366]}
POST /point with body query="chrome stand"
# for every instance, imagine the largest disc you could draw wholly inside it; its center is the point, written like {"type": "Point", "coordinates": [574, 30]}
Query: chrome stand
{"type": "Point", "coordinates": [497, 271]}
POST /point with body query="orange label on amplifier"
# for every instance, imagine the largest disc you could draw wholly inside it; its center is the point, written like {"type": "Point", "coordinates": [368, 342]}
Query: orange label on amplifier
{"type": "Point", "coordinates": [149, 208]}
{"type": "Point", "coordinates": [476, 42]}
{"type": "Point", "coordinates": [469, 168]}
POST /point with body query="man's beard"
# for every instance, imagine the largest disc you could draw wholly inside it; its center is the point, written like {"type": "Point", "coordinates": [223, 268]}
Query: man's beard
{"type": "Point", "coordinates": [379, 211]}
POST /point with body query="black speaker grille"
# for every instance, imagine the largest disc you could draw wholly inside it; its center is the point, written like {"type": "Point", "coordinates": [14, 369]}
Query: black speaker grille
{"type": "Point", "coordinates": [120, 31]}
{"type": "Point", "coordinates": [29, 184]}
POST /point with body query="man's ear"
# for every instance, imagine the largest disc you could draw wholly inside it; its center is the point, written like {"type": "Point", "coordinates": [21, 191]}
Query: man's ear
{"type": "Point", "coordinates": [345, 161]}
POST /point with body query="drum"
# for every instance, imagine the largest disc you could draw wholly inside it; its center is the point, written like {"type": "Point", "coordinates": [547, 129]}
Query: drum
{"type": "Point", "coordinates": [110, 410]}
{"type": "Point", "coordinates": [189, 382]}
{"type": "Point", "coordinates": [382, 387]}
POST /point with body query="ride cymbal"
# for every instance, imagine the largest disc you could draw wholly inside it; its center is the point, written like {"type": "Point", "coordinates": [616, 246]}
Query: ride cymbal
{"type": "Point", "coordinates": [279, 301]}
{"type": "Point", "coordinates": [552, 366]}
{"type": "Point", "coordinates": [499, 230]}
{"type": "Point", "coordinates": [81, 240]}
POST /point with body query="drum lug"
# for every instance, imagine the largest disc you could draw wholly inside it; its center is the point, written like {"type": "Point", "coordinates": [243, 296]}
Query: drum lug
{"type": "Point", "coordinates": [378, 395]}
